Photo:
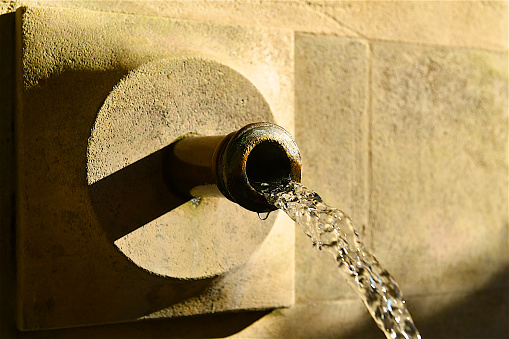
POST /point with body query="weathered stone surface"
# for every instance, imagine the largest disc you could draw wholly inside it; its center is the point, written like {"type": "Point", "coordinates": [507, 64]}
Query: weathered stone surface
{"type": "Point", "coordinates": [451, 23]}
{"type": "Point", "coordinates": [293, 15]}
{"type": "Point", "coordinates": [439, 165]}
{"type": "Point", "coordinates": [474, 314]}
{"type": "Point", "coordinates": [449, 313]}
{"type": "Point", "coordinates": [477, 24]}
{"type": "Point", "coordinates": [71, 62]}
{"type": "Point", "coordinates": [330, 122]}
{"type": "Point", "coordinates": [149, 109]}
{"type": "Point", "coordinates": [333, 319]}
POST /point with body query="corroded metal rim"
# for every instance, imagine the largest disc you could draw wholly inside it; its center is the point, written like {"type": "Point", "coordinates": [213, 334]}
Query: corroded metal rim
{"type": "Point", "coordinates": [237, 182]}
{"type": "Point", "coordinates": [234, 165]}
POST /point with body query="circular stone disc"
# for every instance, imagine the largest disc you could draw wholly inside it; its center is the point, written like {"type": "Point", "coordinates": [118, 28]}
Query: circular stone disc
{"type": "Point", "coordinates": [146, 111]}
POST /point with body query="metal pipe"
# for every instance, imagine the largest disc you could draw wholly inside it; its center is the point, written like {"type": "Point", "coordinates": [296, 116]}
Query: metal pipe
{"type": "Point", "coordinates": [235, 165]}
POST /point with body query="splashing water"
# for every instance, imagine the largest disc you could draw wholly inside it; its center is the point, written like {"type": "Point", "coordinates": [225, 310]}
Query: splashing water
{"type": "Point", "coordinates": [331, 230]}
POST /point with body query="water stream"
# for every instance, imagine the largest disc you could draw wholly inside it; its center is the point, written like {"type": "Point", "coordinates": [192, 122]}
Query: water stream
{"type": "Point", "coordinates": [332, 231]}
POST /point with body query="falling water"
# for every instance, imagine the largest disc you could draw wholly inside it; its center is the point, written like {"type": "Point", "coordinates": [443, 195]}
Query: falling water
{"type": "Point", "coordinates": [331, 230]}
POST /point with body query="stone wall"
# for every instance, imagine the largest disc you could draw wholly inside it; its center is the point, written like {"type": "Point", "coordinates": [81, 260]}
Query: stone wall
{"type": "Point", "coordinates": [401, 117]}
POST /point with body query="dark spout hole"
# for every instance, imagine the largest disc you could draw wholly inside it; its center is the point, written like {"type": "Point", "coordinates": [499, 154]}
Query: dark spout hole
{"type": "Point", "coordinates": [267, 164]}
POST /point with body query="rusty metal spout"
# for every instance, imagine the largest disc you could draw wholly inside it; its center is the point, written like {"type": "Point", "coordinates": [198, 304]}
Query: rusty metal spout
{"type": "Point", "coordinates": [234, 165]}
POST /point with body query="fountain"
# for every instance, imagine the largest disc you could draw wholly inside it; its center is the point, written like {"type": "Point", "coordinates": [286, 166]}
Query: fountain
{"type": "Point", "coordinates": [258, 167]}
{"type": "Point", "coordinates": [109, 224]}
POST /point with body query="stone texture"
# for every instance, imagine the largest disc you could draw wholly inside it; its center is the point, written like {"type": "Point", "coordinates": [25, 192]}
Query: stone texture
{"type": "Point", "coordinates": [450, 23]}
{"type": "Point", "coordinates": [149, 109]}
{"type": "Point", "coordinates": [331, 116]}
{"type": "Point", "coordinates": [450, 313]}
{"type": "Point", "coordinates": [474, 314]}
{"type": "Point", "coordinates": [332, 319]}
{"type": "Point", "coordinates": [439, 165]}
{"type": "Point", "coordinates": [477, 24]}
{"type": "Point", "coordinates": [72, 65]}
{"type": "Point", "coordinates": [454, 315]}
{"type": "Point", "coordinates": [278, 14]}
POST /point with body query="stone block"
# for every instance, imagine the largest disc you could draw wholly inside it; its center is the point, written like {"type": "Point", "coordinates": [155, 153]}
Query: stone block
{"type": "Point", "coordinates": [439, 165]}
{"type": "Point", "coordinates": [476, 24]}
{"type": "Point", "coordinates": [75, 64]}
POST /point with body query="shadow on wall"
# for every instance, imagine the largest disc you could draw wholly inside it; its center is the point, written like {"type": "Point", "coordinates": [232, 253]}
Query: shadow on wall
{"type": "Point", "coordinates": [206, 326]}
{"type": "Point", "coordinates": [133, 196]}
{"type": "Point", "coordinates": [481, 314]}
{"type": "Point", "coordinates": [7, 170]}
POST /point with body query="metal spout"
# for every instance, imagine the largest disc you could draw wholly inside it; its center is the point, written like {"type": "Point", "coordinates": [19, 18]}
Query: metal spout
{"type": "Point", "coordinates": [234, 165]}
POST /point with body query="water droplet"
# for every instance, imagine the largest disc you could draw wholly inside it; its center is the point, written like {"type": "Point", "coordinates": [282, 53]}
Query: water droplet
{"type": "Point", "coordinates": [263, 215]}
{"type": "Point", "coordinates": [195, 201]}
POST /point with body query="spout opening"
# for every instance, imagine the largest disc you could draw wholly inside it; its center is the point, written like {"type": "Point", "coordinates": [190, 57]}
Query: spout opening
{"type": "Point", "coordinates": [241, 165]}
{"type": "Point", "coordinates": [267, 163]}
{"type": "Point", "coordinates": [260, 153]}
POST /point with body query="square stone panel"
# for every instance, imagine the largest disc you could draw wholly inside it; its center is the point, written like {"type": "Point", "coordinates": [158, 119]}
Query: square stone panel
{"type": "Point", "coordinates": [69, 272]}
{"type": "Point", "coordinates": [439, 150]}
